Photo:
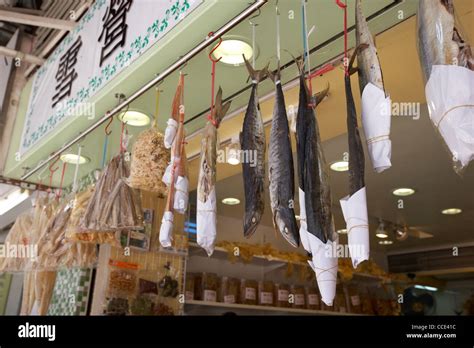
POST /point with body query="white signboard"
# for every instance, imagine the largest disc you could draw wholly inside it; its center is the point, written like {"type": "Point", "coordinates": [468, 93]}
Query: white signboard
{"type": "Point", "coordinates": [111, 35]}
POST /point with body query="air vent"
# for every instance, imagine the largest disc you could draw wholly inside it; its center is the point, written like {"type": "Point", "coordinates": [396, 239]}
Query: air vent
{"type": "Point", "coordinates": [431, 261]}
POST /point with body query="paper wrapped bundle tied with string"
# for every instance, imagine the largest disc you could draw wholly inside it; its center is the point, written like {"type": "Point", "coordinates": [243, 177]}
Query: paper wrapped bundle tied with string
{"type": "Point", "coordinates": [376, 113]}
{"type": "Point", "coordinates": [354, 209]}
{"type": "Point", "coordinates": [323, 257]}
{"type": "Point", "coordinates": [450, 99]}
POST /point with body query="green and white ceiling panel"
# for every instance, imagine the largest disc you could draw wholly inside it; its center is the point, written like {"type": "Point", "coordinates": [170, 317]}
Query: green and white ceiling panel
{"type": "Point", "coordinates": [326, 42]}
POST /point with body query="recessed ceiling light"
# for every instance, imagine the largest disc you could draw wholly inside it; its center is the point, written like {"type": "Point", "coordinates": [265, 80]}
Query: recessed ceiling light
{"type": "Point", "coordinates": [403, 191]}
{"type": "Point", "coordinates": [385, 242]}
{"type": "Point", "coordinates": [231, 201]}
{"type": "Point", "coordinates": [73, 158]}
{"type": "Point", "coordinates": [231, 51]}
{"type": "Point", "coordinates": [340, 166]}
{"type": "Point", "coordinates": [451, 211]}
{"type": "Point", "coordinates": [134, 118]}
{"type": "Point", "coordinates": [342, 231]}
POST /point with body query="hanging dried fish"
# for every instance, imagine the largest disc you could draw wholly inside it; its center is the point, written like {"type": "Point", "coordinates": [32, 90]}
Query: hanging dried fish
{"type": "Point", "coordinates": [206, 219]}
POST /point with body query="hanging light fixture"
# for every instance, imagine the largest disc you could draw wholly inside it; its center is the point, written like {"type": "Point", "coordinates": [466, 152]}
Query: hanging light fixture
{"type": "Point", "coordinates": [401, 233]}
{"type": "Point", "coordinates": [380, 232]}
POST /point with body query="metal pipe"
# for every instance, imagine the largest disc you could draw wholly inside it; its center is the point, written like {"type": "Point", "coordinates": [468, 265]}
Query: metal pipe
{"type": "Point", "coordinates": [168, 71]}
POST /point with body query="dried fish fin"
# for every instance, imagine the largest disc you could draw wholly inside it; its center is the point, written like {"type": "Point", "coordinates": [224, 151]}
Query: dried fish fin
{"type": "Point", "coordinates": [319, 97]}
{"type": "Point", "coordinates": [256, 75]}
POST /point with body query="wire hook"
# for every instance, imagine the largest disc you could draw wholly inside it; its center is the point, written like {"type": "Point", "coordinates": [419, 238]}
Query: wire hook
{"type": "Point", "coordinates": [259, 12]}
{"type": "Point", "coordinates": [211, 34]}
{"type": "Point", "coordinates": [340, 4]}
{"type": "Point", "coordinates": [107, 130]}
{"type": "Point", "coordinates": [52, 164]}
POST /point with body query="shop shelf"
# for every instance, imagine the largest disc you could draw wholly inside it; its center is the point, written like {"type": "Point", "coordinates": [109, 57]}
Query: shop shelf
{"type": "Point", "coordinates": [199, 307]}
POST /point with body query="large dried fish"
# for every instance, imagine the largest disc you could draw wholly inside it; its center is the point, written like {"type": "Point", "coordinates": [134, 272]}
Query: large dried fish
{"type": "Point", "coordinates": [252, 144]}
{"type": "Point", "coordinates": [206, 194]}
{"type": "Point", "coordinates": [280, 171]}
{"type": "Point", "coordinates": [312, 172]}
{"type": "Point", "coordinates": [439, 40]}
{"type": "Point", "coordinates": [367, 60]}
{"type": "Point", "coordinates": [207, 173]}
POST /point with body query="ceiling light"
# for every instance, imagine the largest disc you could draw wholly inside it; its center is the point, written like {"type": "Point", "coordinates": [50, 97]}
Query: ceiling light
{"type": "Point", "coordinates": [340, 166]}
{"type": "Point", "coordinates": [230, 51]}
{"type": "Point", "coordinates": [134, 118]}
{"type": "Point", "coordinates": [342, 231]}
{"type": "Point", "coordinates": [297, 217]}
{"type": "Point", "coordinates": [451, 211]}
{"type": "Point", "coordinates": [73, 158]}
{"type": "Point", "coordinates": [380, 232]}
{"type": "Point", "coordinates": [401, 233]}
{"type": "Point", "coordinates": [10, 201]}
{"type": "Point", "coordinates": [385, 242]}
{"type": "Point", "coordinates": [403, 191]}
{"type": "Point", "coordinates": [231, 201]}
{"type": "Point", "coordinates": [426, 287]}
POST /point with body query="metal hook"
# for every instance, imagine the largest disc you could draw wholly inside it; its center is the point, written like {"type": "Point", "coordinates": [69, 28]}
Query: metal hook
{"type": "Point", "coordinates": [340, 4]}
{"type": "Point", "coordinates": [52, 164]}
{"type": "Point", "coordinates": [259, 12]}
{"type": "Point", "coordinates": [106, 130]}
{"type": "Point", "coordinates": [215, 48]}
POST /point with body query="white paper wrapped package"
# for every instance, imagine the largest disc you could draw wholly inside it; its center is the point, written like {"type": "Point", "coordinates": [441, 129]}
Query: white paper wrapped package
{"type": "Point", "coordinates": [166, 229]}
{"type": "Point", "coordinates": [354, 209]}
{"type": "Point", "coordinates": [303, 225]}
{"type": "Point", "coordinates": [376, 113]}
{"type": "Point", "coordinates": [450, 98]}
{"type": "Point", "coordinates": [170, 132]}
{"type": "Point", "coordinates": [167, 175]}
{"type": "Point", "coordinates": [181, 196]}
{"type": "Point", "coordinates": [324, 257]}
{"type": "Point", "coordinates": [206, 222]}
{"type": "Point", "coordinates": [324, 264]}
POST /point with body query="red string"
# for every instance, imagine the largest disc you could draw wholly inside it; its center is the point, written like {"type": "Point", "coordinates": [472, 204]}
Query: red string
{"type": "Point", "coordinates": [213, 79]}
{"type": "Point", "coordinates": [122, 147]}
{"type": "Point", "coordinates": [344, 7]}
{"type": "Point", "coordinates": [62, 179]}
{"type": "Point", "coordinates": [322, 71]}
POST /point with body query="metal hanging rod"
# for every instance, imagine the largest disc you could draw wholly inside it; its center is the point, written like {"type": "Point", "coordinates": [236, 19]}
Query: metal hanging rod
{"type": "Point", "coordinates": [152, 83]}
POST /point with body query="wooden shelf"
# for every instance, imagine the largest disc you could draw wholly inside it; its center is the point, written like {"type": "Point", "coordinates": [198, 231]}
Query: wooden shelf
{"type": "Point", "coordinates": [221, 253]}
{"type": "Point", "coordinates": [197, 307]}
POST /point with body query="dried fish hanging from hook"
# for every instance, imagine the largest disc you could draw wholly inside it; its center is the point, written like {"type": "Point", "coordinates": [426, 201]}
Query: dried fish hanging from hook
{"type": "Point", "coordinates": [206, 207]}
{"type": "Point", "coordinates": [170, 176]}
{"type": "Point", "coordinates": [149, 158]}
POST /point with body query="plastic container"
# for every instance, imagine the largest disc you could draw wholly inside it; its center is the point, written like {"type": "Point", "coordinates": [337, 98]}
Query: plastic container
{"type": "Point", "coordinates": [265, 293]}
{"type": "Point", "coordinates": [248, 291]}
{"type": "Point", "coordinates": [229, 290]}
{"type": "Point", "coordinates": [298, 297]}
{"type": "Point", "coordinates": [210, 284]}
{"type": "Point", "coordinates": [281, 295]}
{"type": "Point", "coordinates": [313, 299]}
{"type": "Point", "coordinates": [189, 287]}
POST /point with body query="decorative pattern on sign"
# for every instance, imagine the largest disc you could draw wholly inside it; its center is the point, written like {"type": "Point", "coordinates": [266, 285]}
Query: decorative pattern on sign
{"type": "Point", "coordinates": [176, 10]}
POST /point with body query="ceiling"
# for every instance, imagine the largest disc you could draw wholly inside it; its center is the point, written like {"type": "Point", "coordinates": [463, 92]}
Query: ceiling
{"type": "Point", "coordinates": [324, 14]}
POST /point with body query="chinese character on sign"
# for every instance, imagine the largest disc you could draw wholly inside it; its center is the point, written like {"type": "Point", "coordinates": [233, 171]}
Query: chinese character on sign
{"type": "Point", "coordinates": [66, 73]}
{"type": "Point", "coordinates": [115, 27]}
